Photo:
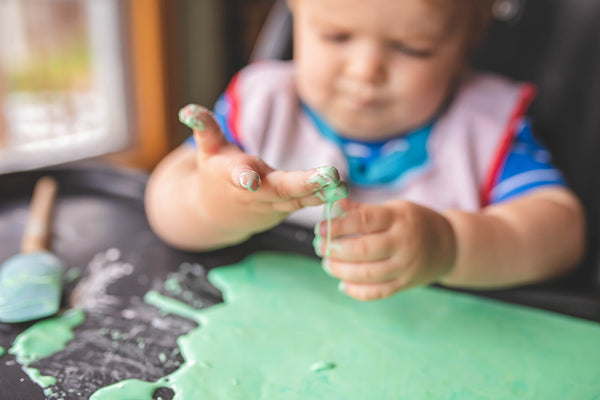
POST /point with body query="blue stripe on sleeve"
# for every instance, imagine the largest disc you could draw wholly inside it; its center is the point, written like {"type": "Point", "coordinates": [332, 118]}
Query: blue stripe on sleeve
{"type": "Point", "coordinates": [190, 141]}
{"type": "Point", "coordinates": [528, 166]}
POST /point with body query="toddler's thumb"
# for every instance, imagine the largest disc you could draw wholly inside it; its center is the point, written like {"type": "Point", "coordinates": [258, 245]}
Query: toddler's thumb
{"type": "Point", "coordinates": [249, 180]}
{"type": "Point", "coordinates": [207, 134]}
{"type": "Point", "coordinates": [247, 175]}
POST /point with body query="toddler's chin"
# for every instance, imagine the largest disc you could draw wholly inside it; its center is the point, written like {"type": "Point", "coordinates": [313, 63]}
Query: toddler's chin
{"type": "Point", "coordinates": [364, 130]}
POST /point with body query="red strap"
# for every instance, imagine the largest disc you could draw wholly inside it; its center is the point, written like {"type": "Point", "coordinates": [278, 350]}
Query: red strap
{"type": "Point", "coordinates": [526, 96]}
{"type": "Point", "coordinates": [233, 120]}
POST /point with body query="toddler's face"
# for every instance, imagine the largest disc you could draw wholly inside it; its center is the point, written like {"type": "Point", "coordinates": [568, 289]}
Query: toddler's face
{"type": "Point", "coordinates": [376, 68]}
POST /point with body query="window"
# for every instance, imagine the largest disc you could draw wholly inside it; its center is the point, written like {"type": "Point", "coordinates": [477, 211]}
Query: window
{"type": "Point", "coordinates": [63, 92]}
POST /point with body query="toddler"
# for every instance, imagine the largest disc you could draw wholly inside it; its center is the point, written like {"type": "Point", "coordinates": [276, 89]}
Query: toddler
{"type": "Point", "coordinates": [445, 182]}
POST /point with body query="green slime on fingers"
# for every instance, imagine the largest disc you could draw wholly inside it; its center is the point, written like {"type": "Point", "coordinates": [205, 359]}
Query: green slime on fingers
{"type": "Point", "coordinates": [189, 116]}
{"type": "Point", "coordinates": [332, 190]}
{"type": "Point", "coordinates": [43, 339]}
{"type": "Point", "coordinates": [286, 332]}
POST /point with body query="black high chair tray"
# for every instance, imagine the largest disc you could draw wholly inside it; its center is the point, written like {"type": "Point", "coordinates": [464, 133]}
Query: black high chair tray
{"type": "Point", "coordinates": [100, 231]}
{"type": "Point", "coordinates": [113, 259]}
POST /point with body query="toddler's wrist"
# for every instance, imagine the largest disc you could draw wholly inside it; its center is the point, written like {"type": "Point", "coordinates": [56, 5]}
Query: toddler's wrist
{"type": "Point", "coordinates": [449, 246]}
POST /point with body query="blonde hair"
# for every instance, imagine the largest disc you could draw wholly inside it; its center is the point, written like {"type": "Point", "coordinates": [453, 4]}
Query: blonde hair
{"type": "Point", "coordinates": [477, 14]}
{"type": "Point", "coordinates": [479, 19]}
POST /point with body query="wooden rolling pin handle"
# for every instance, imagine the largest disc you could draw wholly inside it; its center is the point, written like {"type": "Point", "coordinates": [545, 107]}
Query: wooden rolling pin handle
{"type": "Point", "coordinates": [37, 230]}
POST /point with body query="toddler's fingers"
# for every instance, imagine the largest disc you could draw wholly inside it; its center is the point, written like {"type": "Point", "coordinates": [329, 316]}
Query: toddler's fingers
{"type": "Point", "coordinates": [358, 219]}
{"type": "Point", "coordinates": [247, 171]}
{"type": "Point", "coordinates": [207, 134]}
{"type": "Point", "coordinates": [346, 205]}
{"type": "Point", "coordinates": [322, 180]}
{"type": "Point", "coordinates": [374, 291]}
{"type": "Point", "coordinates": [365, 272]}
{"type": "Point", "coordinates": [297, 203]}
{"type": "Point", "coordinates": [362, 248]}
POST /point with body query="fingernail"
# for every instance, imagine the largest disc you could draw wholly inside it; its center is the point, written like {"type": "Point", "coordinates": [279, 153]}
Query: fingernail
{"type": "Point", "coordinates": [190, 116]}
{"type": "Point", "coordinates": [250, 180]}
{"type": "Point", "coordinates": [317, 245]}
{"type": "Point", "coordinates": [340, 192]}
{"type": "Point", "coordinates": [342, 287]}
{"type": "Point", "coordinates": [326, 265]}
{"type": "Point", "coordinates": [332, 194]}
{"type": "Point", "coordinates": [318, 229]}
{"type": "Point", "coordinates": [334, 245]}
{"type": "Point", "coordinates": [325, 177]}
{"type": "Point", "coordinates": [337, 211]}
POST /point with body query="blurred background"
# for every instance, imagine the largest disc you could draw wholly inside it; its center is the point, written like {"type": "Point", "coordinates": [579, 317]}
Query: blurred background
{"type": "Point", "coordinates": [88, 78]}
{"type": "Point", "coordinates": [104, 79]}
{"type": "Point", "coordinates": [91, 81]}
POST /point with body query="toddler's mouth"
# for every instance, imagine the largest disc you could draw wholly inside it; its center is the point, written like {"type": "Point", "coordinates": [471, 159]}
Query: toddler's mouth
{"type": "Point", "coordinates": [363, 102]}
{"type": "Point", "coordinates": [363, 98]}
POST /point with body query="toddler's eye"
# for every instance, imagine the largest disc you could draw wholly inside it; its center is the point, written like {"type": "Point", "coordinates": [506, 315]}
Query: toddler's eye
{"type": "Point", "coordinates": [336, 37]}
{"type": "Point", "coordinates": [410, 51]}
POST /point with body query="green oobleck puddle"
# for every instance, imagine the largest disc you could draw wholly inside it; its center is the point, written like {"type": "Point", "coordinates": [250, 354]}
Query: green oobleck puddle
{"type": "Point", "coordinates": [286, 332]}
{"type": "Point", "coordinates": [43, 339]}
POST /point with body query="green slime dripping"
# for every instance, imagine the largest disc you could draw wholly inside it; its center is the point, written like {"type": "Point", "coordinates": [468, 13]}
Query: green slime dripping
{"type": "Point", "coordinates": [43, 339]}
{"type": "Point", "coordinates": [332, 190]}
{"type": "Point", "coordinates": [286, 332]}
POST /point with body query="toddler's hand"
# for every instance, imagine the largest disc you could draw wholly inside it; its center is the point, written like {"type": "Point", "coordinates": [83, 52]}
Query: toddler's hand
{"type": "Point", "coordinates": [377, 250]}
{"type": "Point", "coordinates": [241, 193]}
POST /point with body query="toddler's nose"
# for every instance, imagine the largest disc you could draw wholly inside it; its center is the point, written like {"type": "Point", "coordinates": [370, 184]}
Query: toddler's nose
{"type": "Point", "coordinates": [367, 63]}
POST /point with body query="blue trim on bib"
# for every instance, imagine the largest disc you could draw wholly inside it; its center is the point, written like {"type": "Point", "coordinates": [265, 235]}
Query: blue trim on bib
{"type": "Point", "coordinates": [386, 162]}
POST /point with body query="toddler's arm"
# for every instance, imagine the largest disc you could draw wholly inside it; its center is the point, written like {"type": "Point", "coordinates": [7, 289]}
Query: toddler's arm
{"type": "Point", "coordinates": [217, 195]}
{"type": "Point", "coordinates": [532, 238]}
